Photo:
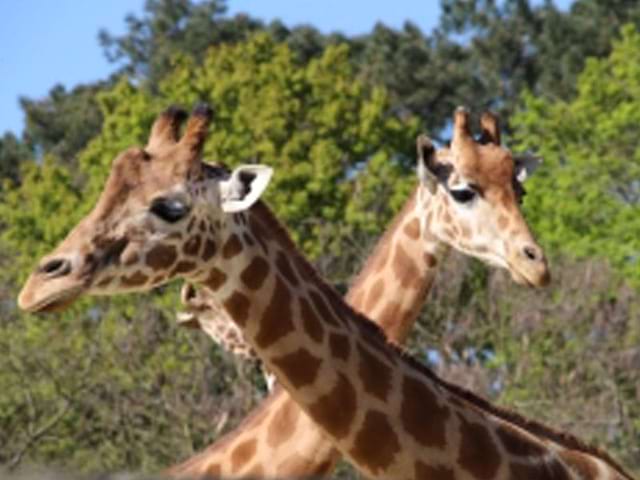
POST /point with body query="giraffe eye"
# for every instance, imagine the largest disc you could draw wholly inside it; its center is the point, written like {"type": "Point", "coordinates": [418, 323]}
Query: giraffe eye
{"type": "Point", "coordinates": [463, 195]}
{"type": "Point", "coordinates": [169, 209]}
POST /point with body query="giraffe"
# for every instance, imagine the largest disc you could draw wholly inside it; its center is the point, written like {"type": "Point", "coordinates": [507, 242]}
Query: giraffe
{"type": "Point", "coordinates": [165, 214]}
{"type": "Point", "coordinates": [202, 312]}
{"type": "Point", "coordinates": [378, 292]}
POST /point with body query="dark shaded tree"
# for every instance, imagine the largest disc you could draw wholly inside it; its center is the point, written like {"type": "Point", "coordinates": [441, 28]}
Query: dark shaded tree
{"type": "Point", "coordinates": [63, 122]}
{"type": "Point", "coordinates": [169, 27]}
{"type": "Point", "coordinates": [12, 153]}
{"type": "Point", "coordinates": [512, 45]}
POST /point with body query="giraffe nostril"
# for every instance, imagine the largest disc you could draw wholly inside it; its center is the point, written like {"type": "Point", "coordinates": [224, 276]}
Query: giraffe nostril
{"type": "Point", "coordinates": [57, 267]}
{"type": "Point", "coordinates": [531, 253]}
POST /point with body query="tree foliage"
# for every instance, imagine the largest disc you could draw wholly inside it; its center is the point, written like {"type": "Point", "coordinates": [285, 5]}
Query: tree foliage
{"type": "Point", "coordinates": [513, 45]}
{"type": "Point", "coordinates": [592, 160]}
{"type": "Point", "coordinates": [112, 384]}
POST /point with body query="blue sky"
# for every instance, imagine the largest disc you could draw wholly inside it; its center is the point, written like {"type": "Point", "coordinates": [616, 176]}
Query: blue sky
{"type": "Point", "coordinates": [44, 42]}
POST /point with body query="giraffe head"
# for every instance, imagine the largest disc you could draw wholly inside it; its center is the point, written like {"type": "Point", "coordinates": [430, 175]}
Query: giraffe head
{"type": "Point", "coordinates": [470, 194]}
{"type": "Point", "coordinates": [158, 217]}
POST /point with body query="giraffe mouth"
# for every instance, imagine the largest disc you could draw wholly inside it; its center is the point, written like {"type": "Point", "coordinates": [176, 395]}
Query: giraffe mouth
{"type": "Point", "coordinates": [55, 303]}
{"type": "Point", "coordinates": [528, 279]}
{"type": "Point", "coordinates": [521, 279]}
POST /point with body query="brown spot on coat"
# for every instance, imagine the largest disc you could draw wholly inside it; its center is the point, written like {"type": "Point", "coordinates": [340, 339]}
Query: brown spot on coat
{"type": "Point", "coordinates": [237, 304]}
{"type": "Point", "coordinates": [339, 346]}
{"type": "Point", "coordinates": [276, 320]}
{"type": "Point", "coordinates": [213, 470]}
{"type": "Point", "coordinates": [389, 319]}
{"type": "Point", "coordinates": [543, 470]}
{"type": "Point", "coordinates": [161, 257]}
{"type": "Point", "coordinates": [192, 246]}
{"type": "Point", "coordinates": [283, 424]}
{"type": "Point", "coordinates": [479, 453]}
{"type": "Point", "coordinates": [375, 444]}
{"type": "Point", "coordinates": [342, 311]}
{"type": "Point", "coordinates": [209, 249]}
{"type": "Point", "coordinates": [516, 443]}
{"type": "Point", "coordinates": [135, 280]}
{"type": "Point", "coordinates": [105, 281]}
{"type": "Point", "coordinates": [336, 410]}
{"type": "Point", "coordinates": [248, 239]}
{"type": "Point", "coordinates": [259, 232]}
{"type": "Point", "coordinates": [241, 454]}
{"type": "Point", "coordinates": [183, 267]}
{"type": "Point", "coordinates": [405, 269]}
{"type": "Point", "coordinates": [254, 275]}
{"type": "Point", "coordinates": [374, 373]}
{"type": "Point", "coordinates": [412, 229]}
{"type": "Point", "coordinates": [375, 338]}
{"type": "Point", "coordinates": [421, 415]}
{"type": "Point", "coordinates": [232, 247]}
{"type": "Point", "coordinates": [433, 472]}
{"type": "Point", "coordinates": [374, 294]}
{"type": "Point", "coordinates": [310, 321]}
{"type": "Point", "coordinates": [216, 279]}
{"type": "Point", "coordinates": [323, 309]}
{"type": "Point", "coordinates": [285, 269]}
{"type": "Point", "coordinates": [130, 258]}
{"type": "Point", "coordinates": [300, 367]}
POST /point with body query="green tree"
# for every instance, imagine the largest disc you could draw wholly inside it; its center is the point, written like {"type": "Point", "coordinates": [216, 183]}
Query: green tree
{"type": "Point", "coordinates": [169, 27]}
{"type": "Point", "coordinates": [63, 122]}
{"type": "Point", "coordinates": [12, 153]}
{"type": "Point", "coordinates": [314, 123]}
{"type": "Point", "coordinates": [585, 200]}
{"type": "Point", "coordinates": [425, 75]}
{"type": "Point", "coordinates": [513, 45]}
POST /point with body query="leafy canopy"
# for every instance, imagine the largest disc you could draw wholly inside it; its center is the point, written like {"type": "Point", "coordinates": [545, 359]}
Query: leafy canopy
{"type": "Point", "coordinates": [585, 201]}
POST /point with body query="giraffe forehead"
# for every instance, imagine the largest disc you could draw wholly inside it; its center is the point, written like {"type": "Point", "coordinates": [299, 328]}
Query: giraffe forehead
{"type": "Point", "coordinates": [133, 180]}
{"type": "Point", "coordinates": [487, 166]}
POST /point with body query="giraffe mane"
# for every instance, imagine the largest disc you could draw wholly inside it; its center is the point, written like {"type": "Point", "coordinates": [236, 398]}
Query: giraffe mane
{"type": "Point", "coordinates": [383, 243]}
{"type": "Point", "coordinates": [277, 229]}
{"type": "Point", "coordinates": [532, 426]}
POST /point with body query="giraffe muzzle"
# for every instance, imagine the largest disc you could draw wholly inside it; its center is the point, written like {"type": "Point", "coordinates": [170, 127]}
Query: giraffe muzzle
{"type": "Point", "coordinates": [529, 266]}
{"type": "Point", "coordinates": [53, 286]}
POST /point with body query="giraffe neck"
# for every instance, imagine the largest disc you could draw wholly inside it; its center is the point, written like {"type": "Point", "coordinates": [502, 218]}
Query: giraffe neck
{"type": "Point", "coordinates": [405, 278]}
{"type": "Point", "coordinates": [341, 371]}
{"type": "Point", "coordinates": [358, 389]}
{"type": "Point", "coordinates": [393, 284]}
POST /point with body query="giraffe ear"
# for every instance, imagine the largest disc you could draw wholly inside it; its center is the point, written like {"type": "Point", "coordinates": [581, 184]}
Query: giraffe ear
{"type": "Point", "coordinates": [430, 170]}
{"type": "Point", "coordinates": [244, 187]}
{"type": "Point", "coordinates": [525, 165]}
